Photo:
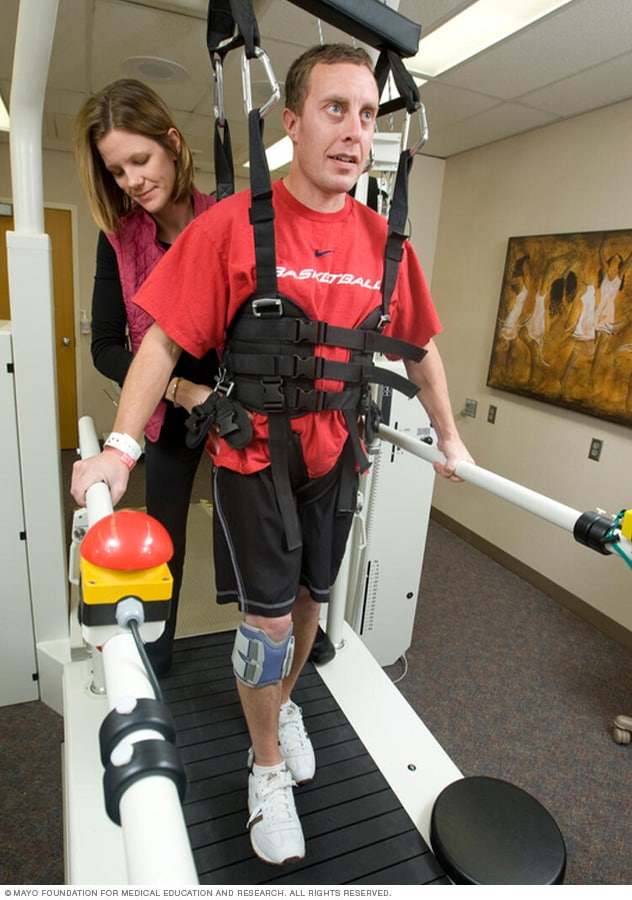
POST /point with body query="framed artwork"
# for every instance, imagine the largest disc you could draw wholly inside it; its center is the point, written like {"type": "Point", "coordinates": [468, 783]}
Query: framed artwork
{"type": "Point", "coordinates": [564, 327]}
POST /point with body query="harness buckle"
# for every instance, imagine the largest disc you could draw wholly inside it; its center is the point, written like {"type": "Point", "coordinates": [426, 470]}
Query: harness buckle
{"type": "Point", "coordinates": [384, 320]}
{"type": "Point", "coordinates": [308, 367]}
{"type": "Point", "coordinates": [310, 331]}
{"type": "Point", "coordinates": [267, 307]}
{"type": "Point", "coordinates": [273, 397]}
{"type": "Point", "coordinates": [306, 400]}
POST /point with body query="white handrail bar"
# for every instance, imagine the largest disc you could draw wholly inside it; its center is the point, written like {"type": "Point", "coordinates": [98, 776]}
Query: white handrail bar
{"type": "Point", "coordinates": [157, 847]}
{"type": "Point", "coordinates": [98, 500]}
{"type": "Point", "coordinates": [609, 536]}
{"type": "Point", "coordinates": [538, 504]}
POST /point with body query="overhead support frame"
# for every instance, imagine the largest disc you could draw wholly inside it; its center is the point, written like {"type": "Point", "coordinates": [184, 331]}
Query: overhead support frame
{"type": "Point", "coordinates": [369, 21]}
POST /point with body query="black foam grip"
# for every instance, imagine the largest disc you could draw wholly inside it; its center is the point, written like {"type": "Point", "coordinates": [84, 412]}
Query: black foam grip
{"type": "Point", "coordinates": [151, 757]}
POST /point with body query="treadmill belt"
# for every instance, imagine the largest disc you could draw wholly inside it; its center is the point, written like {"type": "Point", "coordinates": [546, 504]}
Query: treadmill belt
{"type": "Point", "coordinates": [356, 831]}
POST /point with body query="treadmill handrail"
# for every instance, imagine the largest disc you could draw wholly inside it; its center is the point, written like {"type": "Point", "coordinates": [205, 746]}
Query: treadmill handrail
{"type": "Point", "coordinates": [157, 846]}
{"type": "Point", "coordinates": [539, 504]}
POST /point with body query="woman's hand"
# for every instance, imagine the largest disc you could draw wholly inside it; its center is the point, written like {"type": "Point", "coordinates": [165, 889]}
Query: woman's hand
{"type": "Point", "coordinates": [106, 467]}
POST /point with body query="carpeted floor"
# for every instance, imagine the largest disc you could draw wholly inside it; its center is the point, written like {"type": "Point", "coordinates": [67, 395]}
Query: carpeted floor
{"type": "Point", "coordinates": [516, 687]}
{"type": "Point", "coordinates": [31, 829]}
{"type": "Point", "coordinates": [510, 683]}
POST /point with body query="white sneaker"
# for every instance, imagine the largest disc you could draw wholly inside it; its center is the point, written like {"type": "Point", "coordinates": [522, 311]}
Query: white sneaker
{"type": "Point", "coordinates": [275, 830]}
{"type": "Point", "coordinates": [295, 744]}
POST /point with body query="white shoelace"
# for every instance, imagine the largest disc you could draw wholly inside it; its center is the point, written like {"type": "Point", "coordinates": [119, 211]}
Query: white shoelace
{"type": "Point", "coordinates": [273, 799]}
{"type": "Point", "coordinates": [294, 733]}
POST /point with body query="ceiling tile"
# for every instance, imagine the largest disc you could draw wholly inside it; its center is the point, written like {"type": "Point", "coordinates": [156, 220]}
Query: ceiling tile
{"type": "Point", "coordinates": [599, 86]}
{"type": "Point", "coordinates": [503, 120]}
{"type": "Point", "coordinates": [446, 105]}
{"type": "Point", "coordinates": [122, 30]}
{"type": "Point", "coordinates": [582, 34]}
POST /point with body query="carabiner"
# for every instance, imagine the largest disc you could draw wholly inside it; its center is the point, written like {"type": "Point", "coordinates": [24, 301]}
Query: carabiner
{"type": "Point", "coordinates": [424, 130]}
{"type": "Point", "coordinates": [218, 90]}
{"type": "Point", "coordinates": [260, 54]}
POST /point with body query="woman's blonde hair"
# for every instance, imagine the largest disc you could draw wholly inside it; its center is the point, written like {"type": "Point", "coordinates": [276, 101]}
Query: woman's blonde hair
{"type": "Point", "coordinates": [131, 106]}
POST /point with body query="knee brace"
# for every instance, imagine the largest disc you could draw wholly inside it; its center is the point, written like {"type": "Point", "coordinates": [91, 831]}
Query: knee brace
{"type": "Point", "coordinates": [258, 660]}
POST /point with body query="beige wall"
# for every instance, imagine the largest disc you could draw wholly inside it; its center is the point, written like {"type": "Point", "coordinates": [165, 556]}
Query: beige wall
{"type": "Point", "coordinates": [572, 176]}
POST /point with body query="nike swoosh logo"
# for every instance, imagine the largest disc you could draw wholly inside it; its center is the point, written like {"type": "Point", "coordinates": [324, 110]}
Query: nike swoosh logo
{"type": "Point", "coordinates": [322, 252]}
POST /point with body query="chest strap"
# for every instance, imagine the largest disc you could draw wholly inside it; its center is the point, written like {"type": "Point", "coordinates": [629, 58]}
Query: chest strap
{"type": "Point", "coordinates": [273, 361]}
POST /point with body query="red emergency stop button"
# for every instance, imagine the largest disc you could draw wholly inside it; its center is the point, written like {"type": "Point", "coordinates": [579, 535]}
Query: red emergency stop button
{"type": "Point", "coordinates": [127, 540]}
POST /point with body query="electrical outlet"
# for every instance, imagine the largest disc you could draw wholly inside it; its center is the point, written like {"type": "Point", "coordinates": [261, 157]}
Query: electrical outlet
{"type": "Point", "coordinates": [491, 414]}
{"type": "Point", "coordinates": [470, 408]}
{"type": "Point", "coordinates": [596, 447]}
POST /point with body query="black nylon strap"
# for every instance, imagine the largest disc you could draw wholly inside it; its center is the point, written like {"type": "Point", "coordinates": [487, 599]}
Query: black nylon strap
{"type": "Point", "coordinates": [280, 468]}
{"type": "Point", "coordinates": [397, 221]}
{"type": "Point", "coordinates": [223, 16]}
{"type": "Point", "coordinates": [261, 211]}
{"type": "Point", "coordinates": [351, 421]}
{"type": "Point", "coordinates": [389, 61]}
{"type": "Point", "coordinates": [316, 367]}
{"type": "Point", "coordinates": [223, 154]}
{"type": "Point", "coordinates": [288, 329]}
{"type": "Point", "coordinates": [220, 26]}
{"type": "Point", "coordinates": [271, 395]}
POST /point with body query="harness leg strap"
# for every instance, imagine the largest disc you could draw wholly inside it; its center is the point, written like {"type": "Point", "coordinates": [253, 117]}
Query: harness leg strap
{"type": "Point", "coordinates": [258, 660]}
{"type": "Point", "coordinates": [279, 466]}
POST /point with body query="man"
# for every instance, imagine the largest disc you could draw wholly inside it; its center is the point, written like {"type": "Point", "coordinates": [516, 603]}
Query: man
{"type": "Point", "coordinates": [329, 254]}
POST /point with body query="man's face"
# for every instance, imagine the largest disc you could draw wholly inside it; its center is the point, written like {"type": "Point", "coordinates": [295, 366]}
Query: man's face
{"type": "Point", "coordinates": [332, 137]}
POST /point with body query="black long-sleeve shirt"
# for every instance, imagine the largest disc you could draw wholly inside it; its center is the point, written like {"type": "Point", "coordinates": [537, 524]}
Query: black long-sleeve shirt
{"type": "Point", "coordinates": [110, 344]}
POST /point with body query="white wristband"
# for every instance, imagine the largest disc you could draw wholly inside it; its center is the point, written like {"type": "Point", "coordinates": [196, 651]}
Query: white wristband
{"type": "Point", "coordinates": [125, 444]}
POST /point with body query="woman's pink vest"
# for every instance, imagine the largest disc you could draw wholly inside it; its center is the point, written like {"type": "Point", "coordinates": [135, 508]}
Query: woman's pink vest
{"type": "Point", "coordinates": [137, 252]}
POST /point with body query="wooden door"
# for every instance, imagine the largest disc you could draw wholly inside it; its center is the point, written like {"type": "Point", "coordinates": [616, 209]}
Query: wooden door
{"type": "Point", "coordinates": [58, 225]}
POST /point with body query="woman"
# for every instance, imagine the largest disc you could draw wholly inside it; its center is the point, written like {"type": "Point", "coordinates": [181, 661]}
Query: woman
{"type": "Point", "coordinates": [137, 172]}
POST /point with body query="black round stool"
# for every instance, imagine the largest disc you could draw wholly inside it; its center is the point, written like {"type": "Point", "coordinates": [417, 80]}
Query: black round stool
{"type": "Point", "coordinates": [487, 831]}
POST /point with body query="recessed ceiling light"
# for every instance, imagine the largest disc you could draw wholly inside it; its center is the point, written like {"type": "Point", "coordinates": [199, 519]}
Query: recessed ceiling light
{"type": "Point", "coordinates": [478, 27]}
{"type": "Point", "coordinates": [155, 68]}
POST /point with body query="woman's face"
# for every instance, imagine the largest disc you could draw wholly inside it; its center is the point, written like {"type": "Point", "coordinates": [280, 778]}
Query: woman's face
{"type": "Point", "coordinates": [141, 167]}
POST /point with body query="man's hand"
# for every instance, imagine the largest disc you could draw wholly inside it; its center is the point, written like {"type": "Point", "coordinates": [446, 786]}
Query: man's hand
{"type": "Point", "coordinates": [107, 467]}
{"type": "Point", "coordinates": [455, 452]}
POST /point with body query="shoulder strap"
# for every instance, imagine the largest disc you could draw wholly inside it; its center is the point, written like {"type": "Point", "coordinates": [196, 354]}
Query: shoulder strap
{"type": "Point", "coordinates": [388, 61]}
{"type": "Point", "coordinates": [223, 155]}
{"type": "Point", "coordinates": [261, 210]}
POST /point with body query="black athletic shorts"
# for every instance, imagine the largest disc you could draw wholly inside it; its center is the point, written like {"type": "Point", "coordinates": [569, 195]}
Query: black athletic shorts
{"type": "Point", "coordinates": [252, 564]}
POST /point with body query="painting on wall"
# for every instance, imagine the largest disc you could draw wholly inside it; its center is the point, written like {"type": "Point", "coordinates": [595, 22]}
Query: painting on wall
{"type": "Point", "coordinates": [564, 327]}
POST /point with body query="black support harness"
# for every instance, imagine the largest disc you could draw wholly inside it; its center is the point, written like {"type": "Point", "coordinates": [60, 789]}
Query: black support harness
{"type": "Point", "coordinates": [270, 363]}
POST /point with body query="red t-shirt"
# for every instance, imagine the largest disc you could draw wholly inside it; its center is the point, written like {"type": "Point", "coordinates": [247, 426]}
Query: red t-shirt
{"type": "Point", "coordinates": [331, 264]}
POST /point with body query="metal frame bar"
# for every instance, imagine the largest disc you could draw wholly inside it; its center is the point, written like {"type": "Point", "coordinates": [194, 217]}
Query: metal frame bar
{"type": "Point", "coordinates": [369, 21]}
